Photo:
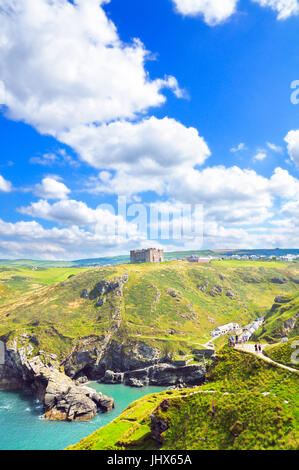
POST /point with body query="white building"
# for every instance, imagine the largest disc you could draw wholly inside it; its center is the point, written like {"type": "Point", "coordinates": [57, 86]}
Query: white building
{"type": "Point", "coordinates": [223, 330]}
{"type": "Point", "coordinates": [252, 328]}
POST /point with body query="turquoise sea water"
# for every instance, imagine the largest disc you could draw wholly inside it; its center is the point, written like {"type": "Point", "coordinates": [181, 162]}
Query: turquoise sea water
{"type": "Point", "coordinates": [23, 428]}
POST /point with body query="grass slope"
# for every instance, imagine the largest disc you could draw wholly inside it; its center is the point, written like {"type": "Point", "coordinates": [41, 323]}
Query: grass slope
{"type": "Point", "coordinates": [277, 319]}
{"type": "Point", "coordinates": [256, 407]}
{"type": "Point", "coordinates": [284, 353]}
{"type": "Point", "coordinates": [161, 304]}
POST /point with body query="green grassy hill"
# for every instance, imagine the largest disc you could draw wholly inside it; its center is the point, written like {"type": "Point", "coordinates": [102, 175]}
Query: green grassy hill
{"type": "Point", "coordinates": [283, 353]}
{"type": "Point", "coordinates": [174, 303]}
{"type": "Point", "coordinates": [256, 407]}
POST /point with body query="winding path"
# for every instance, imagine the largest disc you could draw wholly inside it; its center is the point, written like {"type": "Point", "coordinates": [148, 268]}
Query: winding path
{"type": "Point", "coordinates": [251, 349]}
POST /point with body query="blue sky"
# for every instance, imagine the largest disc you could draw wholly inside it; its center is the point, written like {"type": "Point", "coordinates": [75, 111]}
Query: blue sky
{"type": "Point", "coordinates": [165, 102]}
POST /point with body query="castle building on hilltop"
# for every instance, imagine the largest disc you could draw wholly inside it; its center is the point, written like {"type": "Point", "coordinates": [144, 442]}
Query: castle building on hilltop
{"type": "Point", "coordinates": [151, 255]}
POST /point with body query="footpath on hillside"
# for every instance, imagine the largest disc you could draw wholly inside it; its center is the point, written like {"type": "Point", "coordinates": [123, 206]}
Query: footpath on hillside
{"type": "Point", "coordinates": [251, 349]}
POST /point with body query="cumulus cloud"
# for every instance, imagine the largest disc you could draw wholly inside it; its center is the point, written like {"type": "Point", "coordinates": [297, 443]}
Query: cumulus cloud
{"type": "Point", "coordinates": [218, 11]}
{"type": "Point", "coordinates": [5, 186]}
{"type": "Point", "coordinates": [142, 154]}
{"type": "Point", "coordinates": [237, 206]}
{"type": "Point", "coordinates": [77, 213]}
{"type": "Point", "coordinates": [217, 235]}
{"type": "Point", "coordinates": [292, 139]}
{"type": "Point", "coordinates": [284, 8]}
{"type": "Point", "coordinates": [50, 188]}
{"type": "Point", "coordinates": [284, 185]}
{"type": "Point", "coordinates": [291, 209]}
{"type": "Point", "coordinates": [74, 67]}
{"type": "Point", "coordinates": [72, 242]}
{"type": "Point", "coordinates": [213, 11]}
{"type": "Point", "coordinates": [232, 195]}
{"type": "Point", "coordinates": [229, 195]}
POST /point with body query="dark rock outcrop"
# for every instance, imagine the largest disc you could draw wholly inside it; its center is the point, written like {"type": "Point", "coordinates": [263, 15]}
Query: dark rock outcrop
{"type": "Point", "coordinates": [204, 352]}
{"type": "Point", "coordinates": [175, 294]}
{"type": "Point", "coordinates": [85, 294]}
{"type": "Point", "coordinates": [167, 374]}
{"type": "Point", "coordinates": [95, 357]}
{"type": "Point", "coordinates": [111, 377]}
{"type": "Point", "coordinates": [230, 294]}
{"type": "Point", "coordinates": [159, 424]}
{"type": "Point", "coordinates": [203, 287]}
{"type": "Point", "coordinates": [277, 280]}
{"type": "Point", "coordinates": [289, 325]}
{"type": "Point", "coordinates": [216, 290]}
{"type": "Point", "coordinates": [101, 302]}
{"type": "Point", "coordinates": [135, 383]}
{"type": "Point", "coordinates": [105, 287]}
{"type": "Point", "coordinates": [280, 299]}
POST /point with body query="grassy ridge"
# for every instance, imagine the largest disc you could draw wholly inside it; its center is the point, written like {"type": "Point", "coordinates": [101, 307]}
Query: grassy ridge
{"type": "Point", "coordinates": [161, 303]}
{"type": "Point", "coordinates": [276, 321]}
{"type": "Point", "coordinates": [283, 353]}
{"type": "Point", "coordinates": [256, 407]}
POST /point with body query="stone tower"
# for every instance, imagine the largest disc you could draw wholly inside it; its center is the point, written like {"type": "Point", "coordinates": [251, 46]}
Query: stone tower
{"type": "Point", "coordinates": [151, 255]}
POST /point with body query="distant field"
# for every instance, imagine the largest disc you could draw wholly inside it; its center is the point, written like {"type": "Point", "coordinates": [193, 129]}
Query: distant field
{"type": "Point", "coordinates": [40, 275]}
{"type": "Point", "coordinates": [253, 263]}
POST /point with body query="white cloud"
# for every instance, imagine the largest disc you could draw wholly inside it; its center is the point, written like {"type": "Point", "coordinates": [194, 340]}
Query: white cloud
{"type": "Point", "coordinates": [77, 213]}
{"type": "Point", "coordinates": [284, 185]}
{"type": "Point", "coordinates": [240, 147]}
{"type": "Point", "coordinates": [50, 188]}
{"type": "Point", "coordinates": [217, 236]}
{"type": "Point", "coordinates": [74, 67]}
{"type": "Point", "coordinates": [260, 156]}
{"type": "Point", "coordinates": [5, 186]}
{"type": "Point", "coordinates": [236, 202]}
{"type": "Point", "coordinates": [218, 11]}
{"type": "Point", "coordinates": [292, 139]}
{"type": "Point", "coordinates": [274, 148]}
{"type": "Point", "coordinates": [284, 8]}
{"type": "Point", "coordinates": [234, 196]}
{"type": "Point", "coordinates": [30, 239]}
{"type": "Point", "coordinates": [143, 155]}
{"type": "Point", "coordinates": [59, 158]}
{"type": "Point", "coordinates": [291, 209]}
{"type": "Point", "coordinates": [213, 11]}
{"type": "Point", "coordinates": [219, 184]}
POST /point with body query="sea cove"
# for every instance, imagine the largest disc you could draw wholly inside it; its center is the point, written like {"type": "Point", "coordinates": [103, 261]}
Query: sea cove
{"type": "Point", "coordinates": [22, 426]}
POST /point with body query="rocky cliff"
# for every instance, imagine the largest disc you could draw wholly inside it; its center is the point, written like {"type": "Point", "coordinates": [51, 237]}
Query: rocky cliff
{"type": "Point", "coordinates": [159, 374]}
{"type": "Point", "coordinates": [63, 399]}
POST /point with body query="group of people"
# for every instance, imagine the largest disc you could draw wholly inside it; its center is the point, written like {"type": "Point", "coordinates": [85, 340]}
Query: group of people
{"type": "Point", "coordinates": [233, 340]}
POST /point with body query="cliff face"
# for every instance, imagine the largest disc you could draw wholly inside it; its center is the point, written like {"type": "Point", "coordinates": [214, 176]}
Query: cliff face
{"type": "Point", "coordinates": [92, 359]}
{"type": "Point", "coordinates": [159, 374]}
{"type": "Point", "coordinates": [9, 380]}
{"type": "Point", "coordinates": [63, 399]}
